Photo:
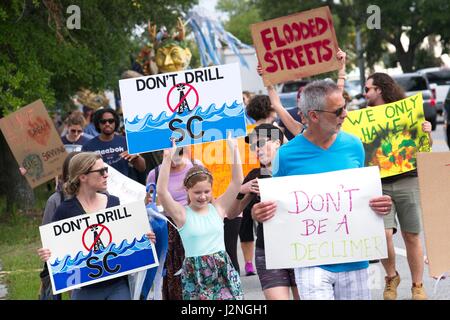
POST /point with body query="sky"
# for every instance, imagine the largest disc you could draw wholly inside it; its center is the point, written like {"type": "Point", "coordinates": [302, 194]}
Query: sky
{"type": "Point", "coordinates": [210, 6]}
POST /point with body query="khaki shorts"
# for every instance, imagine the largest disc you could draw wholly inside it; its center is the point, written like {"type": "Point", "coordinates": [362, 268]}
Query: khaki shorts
{"type": "Point", "coordinates": [406, 205]}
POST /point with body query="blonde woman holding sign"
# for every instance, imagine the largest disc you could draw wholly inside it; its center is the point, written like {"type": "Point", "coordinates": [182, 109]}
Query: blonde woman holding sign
{"type": "Point", "coordinates": [86, 187]}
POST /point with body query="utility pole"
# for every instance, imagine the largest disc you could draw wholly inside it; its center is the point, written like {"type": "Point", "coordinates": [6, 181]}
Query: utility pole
{"type": "Point", "coordinates": [360, 55]}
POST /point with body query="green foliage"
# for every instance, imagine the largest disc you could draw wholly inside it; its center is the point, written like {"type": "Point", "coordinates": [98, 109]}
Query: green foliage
{"type": "Point", "coordinates": [241, 15]}
{"type": "Point", "coordinates": [41, 58]}
{"type": "Point", "coordinates": [416, 18]}
{"type": "Point", "coordinates": [425, 59]}
{"type": "Point", "coordinates": [19, 239]}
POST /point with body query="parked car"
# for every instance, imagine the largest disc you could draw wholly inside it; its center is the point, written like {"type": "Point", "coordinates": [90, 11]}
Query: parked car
{"type": "Point", "coordinates": [288, 92]}
{"type": "Point", "coordinates": [414, 83]}
{"type": "Point", "coordinates": [440, 78]}
{"type": "Point", "coordinates": [447, 117]}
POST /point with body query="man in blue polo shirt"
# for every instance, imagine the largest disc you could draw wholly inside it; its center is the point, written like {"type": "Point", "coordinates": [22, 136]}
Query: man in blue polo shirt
{"type": "Point", "coordinates": [112, 147]}
{"type": "Point", "coordinates": [324, 148]}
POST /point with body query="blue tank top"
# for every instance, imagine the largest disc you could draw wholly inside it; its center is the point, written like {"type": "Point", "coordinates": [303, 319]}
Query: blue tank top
{"type": "Point", "coordinates": [202, 234]}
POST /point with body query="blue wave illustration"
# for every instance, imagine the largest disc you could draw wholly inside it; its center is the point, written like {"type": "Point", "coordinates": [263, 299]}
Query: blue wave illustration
{"type": "Point", "coordinates": [126, 256]}
{"type": "Point", "coordinates": [148, 133]}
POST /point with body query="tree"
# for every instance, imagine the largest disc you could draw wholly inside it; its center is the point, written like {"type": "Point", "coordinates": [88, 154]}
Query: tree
{"type": "Point", "coordinates": [40, 57]}
{"type": "Point", "coordinates": [241, 15]}
{"type": "Point", "coordinates": [416, 19]}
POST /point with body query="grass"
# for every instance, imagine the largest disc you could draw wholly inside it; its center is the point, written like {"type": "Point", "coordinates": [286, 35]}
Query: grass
{"type": "Point", "coordinates": [19, 240]}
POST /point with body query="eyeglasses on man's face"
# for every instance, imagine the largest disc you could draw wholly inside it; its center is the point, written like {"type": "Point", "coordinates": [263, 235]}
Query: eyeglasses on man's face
{"type": "Point", "coordinates": [104, 121]}
{"type": "Point", "coordinates": [101, 171]}
{"type": "Point", "coordinates": [337, 112]}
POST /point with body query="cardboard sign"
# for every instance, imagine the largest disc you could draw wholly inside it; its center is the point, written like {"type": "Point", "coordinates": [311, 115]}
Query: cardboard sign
{"type": "Point", "coordinates": [434, 174]}
{"type": "Point", "coordinates": [391, 134]}
{"type": "Point", "coordinates": [296, 46]}
{"type": "Point", "coordinates": [35, 143]}
{"type": "Point", "coordinates": [323, 219]}
{"type": "Point", "coordinates": [192, 106]}
{"type": "Point", "coordinates": [95, 247]}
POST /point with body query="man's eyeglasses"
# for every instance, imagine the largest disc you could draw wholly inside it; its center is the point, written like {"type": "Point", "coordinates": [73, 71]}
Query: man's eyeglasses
{"type": "Point", "coordinates": [337, 112]}
{"type": "Point", "coordinates": [75, 131]}
{"type": "Point", "coordinates": [104, 121]}
{"type": "Point", "coordinates": [367, 89]}
{"type": "Point", "coordinates": [101, 171]}
{"type": "Point", "coordinates": [259, 143]}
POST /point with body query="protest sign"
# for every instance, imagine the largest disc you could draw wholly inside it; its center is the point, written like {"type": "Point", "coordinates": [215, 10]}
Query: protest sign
{"type": "Point", "coordinates": [296, 46]}
{"type": "Point", "coordinates": [191, 106]}
{"type": "Point", "coordinates": [323, 219]}
{"type": "Point", "coordinates": [434, 173]}
{"type": "Point", "coordinates": [35, 143]}
{"type": "Point", "coordinates": [95, 247]}
{"type": "Point", "coordinates": [126, 189]}
{"type": "Point", "coordinates": [391, 134]}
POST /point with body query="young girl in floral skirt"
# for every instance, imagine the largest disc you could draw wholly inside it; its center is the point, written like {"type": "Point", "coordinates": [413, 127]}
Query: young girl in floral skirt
{"type": "Point", "coordinates": [207, 273]}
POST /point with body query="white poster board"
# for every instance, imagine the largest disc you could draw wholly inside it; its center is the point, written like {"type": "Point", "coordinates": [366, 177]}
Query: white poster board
{"type": "Point", "coordinates": [95, 247]}
{"type": "Point", "coordinates": [323, 219]}
{"type": "Point", "coordinates": [191, 106]}
{"type": "Point", "coordinates": [126, 189]}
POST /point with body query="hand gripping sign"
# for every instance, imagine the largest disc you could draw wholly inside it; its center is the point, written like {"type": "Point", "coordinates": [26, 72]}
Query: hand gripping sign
{"type": "Point", "coordinates": [91, 248]}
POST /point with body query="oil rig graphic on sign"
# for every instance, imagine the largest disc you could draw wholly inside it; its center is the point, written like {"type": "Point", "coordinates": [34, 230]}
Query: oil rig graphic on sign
{"type": "Point", "coordinates": [98, 242]}
{"type": "Point", "coordinates": [184, 104]}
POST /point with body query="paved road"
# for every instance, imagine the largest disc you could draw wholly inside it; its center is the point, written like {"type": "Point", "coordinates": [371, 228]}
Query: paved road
{"type": "Point", "coordinates": [252, 288]}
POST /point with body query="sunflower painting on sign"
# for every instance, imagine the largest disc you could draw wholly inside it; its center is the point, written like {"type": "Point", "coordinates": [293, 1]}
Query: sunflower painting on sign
{"type": "Point", "coordinates": [391, 134]}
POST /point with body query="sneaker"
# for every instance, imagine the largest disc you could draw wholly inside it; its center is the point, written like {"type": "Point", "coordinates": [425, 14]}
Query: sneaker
{"type": "Point", "coordinates": [390, 290]}
{"type": "Point", "coordinates": [249, 271]}
{"type": "Point", "coordinates": [418, 292]}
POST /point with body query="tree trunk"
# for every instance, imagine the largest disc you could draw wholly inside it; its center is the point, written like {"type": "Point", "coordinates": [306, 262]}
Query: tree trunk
{"type": "Point", "coordinates": [406, 59]}
{"type": "Point", "coordinates": [15, 187]}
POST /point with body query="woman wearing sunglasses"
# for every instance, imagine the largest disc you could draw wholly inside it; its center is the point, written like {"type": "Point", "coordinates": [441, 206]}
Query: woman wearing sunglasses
{"type": "Point", "coordinates": [86, 188]}
{"type": "Point", "coordinates": [75, 139]}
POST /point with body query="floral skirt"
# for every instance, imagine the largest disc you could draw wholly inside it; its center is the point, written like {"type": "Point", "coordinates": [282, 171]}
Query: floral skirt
{"type": "Point", "coordinates": [210, 277]}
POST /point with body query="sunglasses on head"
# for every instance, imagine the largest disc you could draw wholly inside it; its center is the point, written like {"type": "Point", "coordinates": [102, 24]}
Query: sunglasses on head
{"type": "Point", "coordinates": [101, 171]}
{"type": "Point", "coordinates": [73, 131]}
{"type": "Point", "coordinates": [104, 121]}
{"type": "Point", "coordinates": [337, 112]}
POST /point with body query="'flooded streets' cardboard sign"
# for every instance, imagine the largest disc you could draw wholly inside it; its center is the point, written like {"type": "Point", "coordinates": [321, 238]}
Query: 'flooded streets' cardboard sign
{"type": "Point", "coordinates": [296, 46]}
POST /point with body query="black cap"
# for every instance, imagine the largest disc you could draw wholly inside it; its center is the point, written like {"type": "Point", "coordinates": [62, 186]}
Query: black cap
{"type": "Point", "coordinates": [266, 130]}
